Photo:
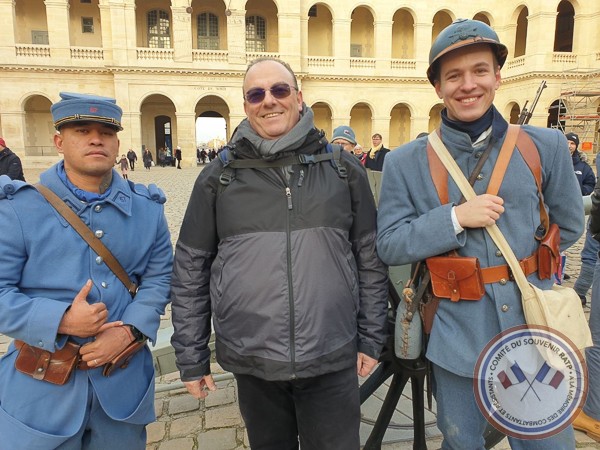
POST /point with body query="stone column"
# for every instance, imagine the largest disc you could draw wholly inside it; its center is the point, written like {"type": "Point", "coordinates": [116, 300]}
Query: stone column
{"type": "Point", "coordinates": [381, 125]}
{"type": "Point", "coordinates": [122, 31]}
{"type": "Point", "coordinates": [341, 43]}
{"type": "Point", "coordinates": [236, 37]}
{"type": "Point", "coordinates": [182, 35]}
{"type": "Point", "coordinates": [7, 25]}
{"type": "Point", "coordinates": [538, 40]}
{"type": "Point", "coordinates": [289, 30]}
{"type": "Point", "coordinates": [186, 137]}
{"type": "Point", "coordinates": [383, 45]}
{"type": "Point", "coordinates": [423, 45]}
{"type": "Point", "coordinates": [418, 124]}
{"type": "Point", "coordinates": [57, 16]}
{"type": "Point", "coordinates": [106, 30]}
{"type": "Point", "coordinates": [13, 130]}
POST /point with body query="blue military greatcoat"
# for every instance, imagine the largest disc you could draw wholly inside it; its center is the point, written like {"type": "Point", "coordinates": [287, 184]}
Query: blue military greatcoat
{"type": "Point", "coordinates": [43, 265]}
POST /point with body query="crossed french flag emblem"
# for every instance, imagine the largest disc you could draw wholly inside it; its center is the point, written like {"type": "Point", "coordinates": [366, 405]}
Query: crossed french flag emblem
{"type": "Point", "coordinates": [545, 375]}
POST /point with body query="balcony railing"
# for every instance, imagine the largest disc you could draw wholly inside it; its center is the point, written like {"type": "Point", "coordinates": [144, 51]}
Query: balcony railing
{"type": "Point", "coordinates": [516, 62]}
{"type": "Point", "coordinates": [403, 64]}
{"type": "Point", "coordinates": [161, 54]}
{"type": "Point", "coordinates": [210, 55]}
{"type": "Point", "coordinates": [362, 63]}
{"type": "Point", "coordinates": [250, 56]}
{"type": "Point", "coordinates": [87, 53]}
{"type": "Point", "coordinates": [564, 57]}
{"type": "Point", "coordinates": [321, 61]}
{"type": "Point", "coordinates": [40, 51]}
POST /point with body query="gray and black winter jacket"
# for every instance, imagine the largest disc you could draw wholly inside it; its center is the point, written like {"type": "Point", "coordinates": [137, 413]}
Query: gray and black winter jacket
{"type": "Point", "coordinates": [284, 262]}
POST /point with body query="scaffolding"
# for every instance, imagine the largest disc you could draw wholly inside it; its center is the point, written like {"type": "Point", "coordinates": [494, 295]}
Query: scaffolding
{"type": "Point", "coordinates": [579, 109]}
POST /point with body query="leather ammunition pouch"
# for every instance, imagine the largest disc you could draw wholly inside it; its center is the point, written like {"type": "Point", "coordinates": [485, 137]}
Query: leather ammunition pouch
{"type": "Point", "coordinates": [122, 359]}
{"type": "Point", "coordinates": [456, 277]}
{"type": "Point", "coordinates": [55, 368]}
{"type": "Point", "coordinates": [549, 259]}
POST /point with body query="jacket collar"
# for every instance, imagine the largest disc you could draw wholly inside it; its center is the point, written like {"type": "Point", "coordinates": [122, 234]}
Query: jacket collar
{"type": "Point", "coordinates": [120, 196]}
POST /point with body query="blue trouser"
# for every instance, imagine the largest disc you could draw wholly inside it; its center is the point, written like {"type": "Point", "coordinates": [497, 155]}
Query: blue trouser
{"type": "Point", "coordinates": [589, 257]}
{"type": "Point", "coordinates": [318, 413]}
{"type": "Point", "coordinates": [462, 424]}
{"type": "Point", "coordinates": [100, 432]}
{"type": "Point", "coordinates": [592, 354]}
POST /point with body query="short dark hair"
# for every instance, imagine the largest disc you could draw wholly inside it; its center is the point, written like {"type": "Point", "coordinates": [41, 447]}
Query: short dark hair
{"type": "Point", "coordinates": [377, 135]}
{"type": "Point", "coordinates": [277, 60]}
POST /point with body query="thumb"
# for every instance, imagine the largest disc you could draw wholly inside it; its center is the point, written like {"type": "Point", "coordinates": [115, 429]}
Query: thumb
{"type": "Point", "coordinates": [83, 293]}
{"type": "Point", "coordinates": [210, 383]}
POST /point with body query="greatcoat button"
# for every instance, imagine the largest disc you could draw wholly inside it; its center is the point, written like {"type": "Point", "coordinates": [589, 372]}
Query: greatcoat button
{"type": "Point", "coordinates": [99, 260]}
{"type": "Point", "coordinates": [498, 253]}
{"type": "Point", "coordinates": [99, 233]}
{"type": "Point", "coordinates": [504, 308]}
{"type": "Point", "coordinates": [480, 177]}
{"type": "Point", "coordinates": [502, 281]}
{"type": "Point", "coordinates": [104, 284]}
{"type": "Point", "coordinates": [98, 208]}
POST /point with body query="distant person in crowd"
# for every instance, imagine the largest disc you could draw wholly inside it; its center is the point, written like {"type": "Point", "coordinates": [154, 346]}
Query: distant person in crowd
{"type": "Point", "coordinates": [203, 156]}
{"type": "Point", "coordinates": [360, 153]}
{"type": "Point", "coordinates": [132, 157]}
{"type": "Point", "coordinates": [10, 163]}
{"type": "Point", "coordinates": [123, 164]}
{"type": "Point", "coordinates": [583, 171]}
{"type": "Point", "coordinates": [162, 156]}
{"type": "Point", "coordinates": [178, 156]}
{"type": "Point", "coordinates": [147, 159]}
{"type": "Point", "coordinates": [344, 136]}
{"type": "Point", "coordinates": [376, 154]}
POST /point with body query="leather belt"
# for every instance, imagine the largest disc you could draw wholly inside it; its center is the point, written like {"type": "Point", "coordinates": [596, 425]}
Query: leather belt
{"type": "Point", "coordinates": [502, 274]}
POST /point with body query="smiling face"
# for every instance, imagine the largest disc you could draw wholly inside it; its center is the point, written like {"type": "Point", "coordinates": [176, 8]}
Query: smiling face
{"type": "Point", "coordinates": [272, 117]}
{"type": "Point", "coordinates": [468, 79]}
{"type": "Point", "coordinates": [89, 150]}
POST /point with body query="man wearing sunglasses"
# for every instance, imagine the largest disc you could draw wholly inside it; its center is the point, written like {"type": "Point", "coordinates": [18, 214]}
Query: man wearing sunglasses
{"type": "Point", "coordinates": [283, 260]}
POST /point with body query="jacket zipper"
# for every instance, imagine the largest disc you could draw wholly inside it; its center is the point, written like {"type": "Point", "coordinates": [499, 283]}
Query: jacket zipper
{"type": "Point", "coordinates": [288, 194]}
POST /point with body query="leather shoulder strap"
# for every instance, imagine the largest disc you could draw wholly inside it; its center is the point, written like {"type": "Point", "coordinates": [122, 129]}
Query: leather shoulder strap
{"type": "Point", "coordinates": [87, 235]}
{"type": "Point", "coordinates": [531, 155]}
{"type": "Point", "coordinates": [439, 174]}
{"type": "Point", "coordinates": [503, 159]}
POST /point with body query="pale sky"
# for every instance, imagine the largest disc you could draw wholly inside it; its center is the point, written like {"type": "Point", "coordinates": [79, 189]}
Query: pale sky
{"type": "Point", "coordinates": [208, 128]}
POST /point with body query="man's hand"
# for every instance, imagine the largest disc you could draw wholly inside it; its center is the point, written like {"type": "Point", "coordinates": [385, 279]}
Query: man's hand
{"type": "Point", "coordinates": [480, 211]}
{"type": "Point", "coordinates": [108, 344]}
{"type": "Point", "coordinates": [199, 388]}
{"type": "Point", "coordinates": [83, 319]}
{"type": "Point", "coordinates": [365, 364]}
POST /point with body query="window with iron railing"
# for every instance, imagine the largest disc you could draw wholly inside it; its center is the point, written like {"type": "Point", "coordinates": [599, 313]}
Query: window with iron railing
{"type": "Point", "coordinates": [159, 35]}
{"type": "Point", "coordinates": [256, 34]}
{"type": "Point", "coordinates": [208, 31]}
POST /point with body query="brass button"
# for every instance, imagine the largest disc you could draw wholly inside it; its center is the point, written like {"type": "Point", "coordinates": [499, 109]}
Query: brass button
{"type": "Point", "coordinates": [498, 253]}
{"type": "Point", "coordinates": [502, 281]}
{"type": "Point", "coordinates": [504, 308]}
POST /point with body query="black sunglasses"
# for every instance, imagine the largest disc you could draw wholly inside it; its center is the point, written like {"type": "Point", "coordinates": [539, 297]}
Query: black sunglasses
{"type": "Point", "coordinates": [280, 90]}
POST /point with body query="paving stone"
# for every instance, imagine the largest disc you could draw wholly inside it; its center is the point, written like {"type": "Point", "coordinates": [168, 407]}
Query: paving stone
{"type": "Point", "coordinates": [185, 426]}
{"type": "Point", "coordinates": [178, 444]}
{"type": "Point", "coordinates": [156, 431]}
{"type": "Point", "coordinates": [183, 403]}
{"type": "Point", "coordinates": [222, 396]}
{"type": "Point", "coordinates": [223, 439]}
{"type": "Point", "coordinates": [223, 416]}
{"type": "Point", "coordinates": [158, 407]}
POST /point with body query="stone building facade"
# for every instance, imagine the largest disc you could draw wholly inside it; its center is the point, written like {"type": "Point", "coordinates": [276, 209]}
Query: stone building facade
{"type": "Point", "coordinates": [168, 62]}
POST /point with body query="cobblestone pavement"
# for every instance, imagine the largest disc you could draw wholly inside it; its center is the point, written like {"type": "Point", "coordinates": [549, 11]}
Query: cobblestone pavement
{"type": "Point", "coordinates": [214, 423]}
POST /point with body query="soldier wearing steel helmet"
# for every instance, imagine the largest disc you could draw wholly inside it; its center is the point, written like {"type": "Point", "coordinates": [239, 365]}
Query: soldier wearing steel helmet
{"type": "Point", "coordinates": [464, 68]}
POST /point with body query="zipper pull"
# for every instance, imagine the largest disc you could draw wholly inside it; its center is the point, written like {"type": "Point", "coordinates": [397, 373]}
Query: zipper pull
{"type": "Point", "coordinates": [301, 179]}
{"type": "Point", "coordinates": [288, 194]}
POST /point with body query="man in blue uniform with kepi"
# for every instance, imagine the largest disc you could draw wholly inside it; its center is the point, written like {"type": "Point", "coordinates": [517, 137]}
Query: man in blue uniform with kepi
{"type": "Point", "coordinates": [415, 224]}
{"type": "Point", "coordinates": [69, 313]}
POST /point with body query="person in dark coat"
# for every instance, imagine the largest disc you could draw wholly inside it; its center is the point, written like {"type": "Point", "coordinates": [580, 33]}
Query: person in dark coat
{"type": "Point", "coordinates": [583, 171]}
{"type": "Point", "coordinates": [376, 154]}
{"type": "Point", "coordinates": [10, 164]}
{"type": "Point", "coordinates": [178, 156]}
